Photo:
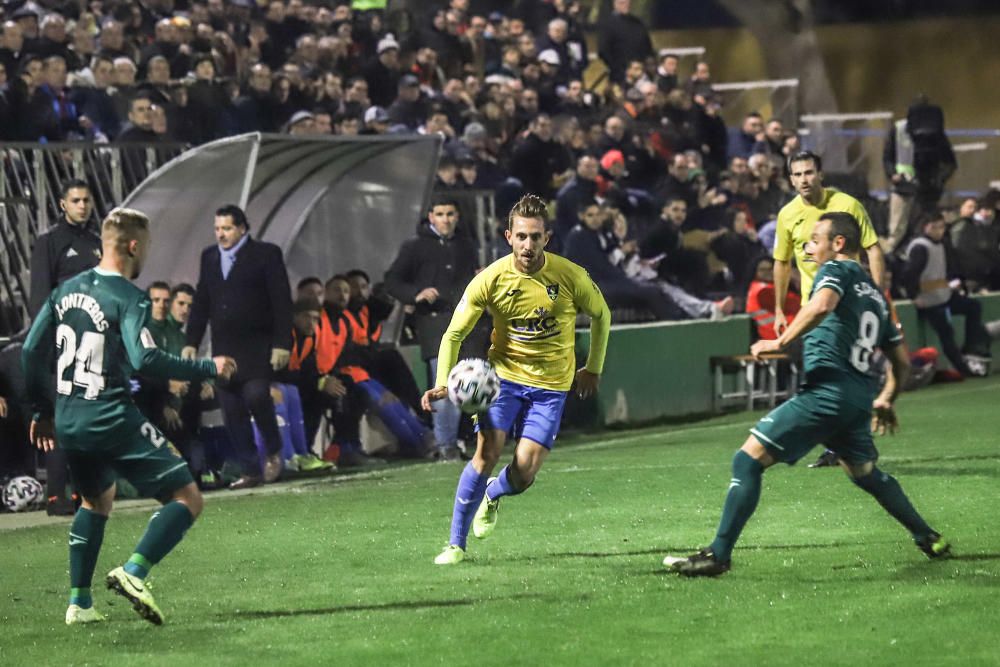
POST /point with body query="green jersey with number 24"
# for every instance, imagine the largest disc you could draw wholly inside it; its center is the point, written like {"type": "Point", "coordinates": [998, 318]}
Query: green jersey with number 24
{"type": "Point", "coordinates": [840, 349]}
{"type": "Point", "coordinates": [94, 325]}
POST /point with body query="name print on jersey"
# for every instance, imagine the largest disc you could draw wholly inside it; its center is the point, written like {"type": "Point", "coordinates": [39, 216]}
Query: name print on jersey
{"type": "Point", "coordinates": [86, 303]}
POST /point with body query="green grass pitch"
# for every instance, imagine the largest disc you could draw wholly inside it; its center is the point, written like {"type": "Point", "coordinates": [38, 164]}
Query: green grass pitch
{"type": "Point", "coordinates": [339, 570]}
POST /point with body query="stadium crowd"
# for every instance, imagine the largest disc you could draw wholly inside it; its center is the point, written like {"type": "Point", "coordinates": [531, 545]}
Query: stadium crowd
{"type": "Point", "coordinates": [672, 212]}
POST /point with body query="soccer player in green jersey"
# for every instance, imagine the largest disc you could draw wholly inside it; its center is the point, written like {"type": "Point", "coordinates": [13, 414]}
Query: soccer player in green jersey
{"type": "Point", "coordinates": [845, 319]}
{"type": "Point", "coordinates": [533, 297]}
{"type": "Point", "coordinates": [96, 325]}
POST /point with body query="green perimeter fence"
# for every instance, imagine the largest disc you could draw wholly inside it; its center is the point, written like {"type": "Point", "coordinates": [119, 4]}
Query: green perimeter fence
{"type": "Point", "coordinates": [662, 370]}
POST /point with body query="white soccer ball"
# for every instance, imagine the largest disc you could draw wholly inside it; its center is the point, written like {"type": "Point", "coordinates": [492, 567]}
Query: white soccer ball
{"type": "Point", "coordinates": [473, 385]}
{"type": "Point", "coordinates": [23, 493]}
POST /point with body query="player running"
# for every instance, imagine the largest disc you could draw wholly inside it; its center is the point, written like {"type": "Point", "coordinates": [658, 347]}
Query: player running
{"type": "Point", "coordinates": [846, 319]}
{"type": "Point", "coordinates": [96, 322]}
{"type": "Point", "coordinates": [533, 297]}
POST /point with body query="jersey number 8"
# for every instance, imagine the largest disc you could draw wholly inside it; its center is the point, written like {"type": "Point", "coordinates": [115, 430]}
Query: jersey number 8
{"type": "Point", "coordinates": [861, 352]}
{"type": "Point", "coordinates": [88, 368]}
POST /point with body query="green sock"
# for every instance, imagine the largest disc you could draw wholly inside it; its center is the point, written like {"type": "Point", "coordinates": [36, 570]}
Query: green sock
{"type": "Point", "coordinates": [85, 537]}
{"type": "Point", "coordinates": [889, 494]}
{"type": "Point", "coordinates": [164, 531]}
{"type": "Point", "coordinates": [741, 501]}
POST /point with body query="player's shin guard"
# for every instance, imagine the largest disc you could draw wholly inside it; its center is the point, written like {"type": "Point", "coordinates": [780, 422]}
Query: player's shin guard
{"type": "Point", "coordinates": [85, 537]}
{"type": "Point", "coordinates": [502, 486]}
{"type": "Point", "coordinates": [468, 496]}
{"type": "Point", "coordinates": [889, 494]}
{"type": "Point", "coordinates": [741, 501]}
{"type": "Point", "coordinates": [165, 530]}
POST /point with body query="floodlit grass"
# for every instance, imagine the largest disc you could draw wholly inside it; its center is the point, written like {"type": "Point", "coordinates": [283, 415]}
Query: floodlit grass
{"type": "Point", "coordinates": [339, 571]}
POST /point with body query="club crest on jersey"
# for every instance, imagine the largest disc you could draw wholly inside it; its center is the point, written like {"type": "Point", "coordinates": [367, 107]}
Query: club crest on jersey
{"type": "Point", "coordinates": [552, 291]}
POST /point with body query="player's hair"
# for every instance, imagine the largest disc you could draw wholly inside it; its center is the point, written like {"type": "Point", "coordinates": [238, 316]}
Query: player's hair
{"type": "Point", "coordinates": [123, 225]}
{"type": "Point", "coordinates": [182, 288]}
{"type": "Point", "coordinates": [158, 284]}
{"type": "Point", "coordinates": [236, 213]}
{"type": "Point", "coordinates": [846, 225]}
{"type": "Point", "coordinates": [803, 156]}
{"type": "Point", "coordinates": [73, 184]}
{"type": "Point", "coordinates": [529, 206]}
{"type": "Point", "coordinates": [442, 200]}
{"type": "Point", "coordinates": [309, 280]}
{"type": "Point", "coordinates": [334, 278]}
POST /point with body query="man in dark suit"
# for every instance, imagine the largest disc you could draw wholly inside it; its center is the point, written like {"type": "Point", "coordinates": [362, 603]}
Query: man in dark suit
{"type": "Point", "coordinates": [243, 292]}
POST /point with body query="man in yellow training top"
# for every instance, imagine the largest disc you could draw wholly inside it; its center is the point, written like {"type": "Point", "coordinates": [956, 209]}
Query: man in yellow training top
{"type": "Point", "coordinates": [795, 225]}
{"type": "Point", "coordinates": [533, 297]}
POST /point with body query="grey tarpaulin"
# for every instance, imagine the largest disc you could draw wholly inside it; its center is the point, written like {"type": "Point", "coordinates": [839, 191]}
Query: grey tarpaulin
{"type": "Point", "coordinates": [330, 203]}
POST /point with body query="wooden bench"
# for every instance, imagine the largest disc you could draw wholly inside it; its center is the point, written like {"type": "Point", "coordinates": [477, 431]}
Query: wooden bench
{"type": "Point", "coordinates": [756, 380]}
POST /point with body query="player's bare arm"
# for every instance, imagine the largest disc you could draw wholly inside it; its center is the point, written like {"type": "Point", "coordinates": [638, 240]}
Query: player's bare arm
{"type": "Point", "coordinates": [431, 395]}
{"type": "Point", "coordinates": [782, 273]}
{"type": "Point", "coordinates": [884, 418]}
{"type": "Point", "coordinates": [586, 383]}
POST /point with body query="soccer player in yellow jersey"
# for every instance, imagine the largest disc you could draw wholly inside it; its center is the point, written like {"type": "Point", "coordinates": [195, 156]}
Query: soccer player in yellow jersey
{"type": "Point", "coordinates": [533, 297]}
{"type": "Point", "coordinates": [795, 225]}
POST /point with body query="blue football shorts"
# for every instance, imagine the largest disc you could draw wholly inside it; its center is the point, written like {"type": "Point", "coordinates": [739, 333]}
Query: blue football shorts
{"type": "Point", "coordinates": [525, 412]}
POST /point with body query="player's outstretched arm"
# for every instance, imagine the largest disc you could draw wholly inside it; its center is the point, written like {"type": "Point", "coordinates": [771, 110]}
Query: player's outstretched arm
{"type": "Point", "coordinates": [146, 358]}
{"type": "Point", "coordinates": [823, 302]}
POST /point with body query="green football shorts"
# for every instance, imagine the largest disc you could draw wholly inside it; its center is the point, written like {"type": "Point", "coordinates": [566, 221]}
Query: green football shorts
{"type": "Point", "coordinates": [813, 417]}
{"type": "Point", "coordinates": [146, 459]}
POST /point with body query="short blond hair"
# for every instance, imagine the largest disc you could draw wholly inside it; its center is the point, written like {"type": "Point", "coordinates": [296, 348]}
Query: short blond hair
{"type": "Point", "coordinates": [529, 206]}
{"type": "Point", "coordinates": [123, 225]}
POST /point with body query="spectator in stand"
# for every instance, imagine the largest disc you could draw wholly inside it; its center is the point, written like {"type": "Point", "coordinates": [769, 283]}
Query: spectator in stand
{"type": "Point", "coordinates": [541, 164]}
{"type": "Point", "coordinates": [774, 139]}
{"type": "Point", "coordinates": [738, 247]}
{"type": "Point", "coordinates": [760, 299]}
{"type": "Point", "coordinates": [409, 108]}
{"type": "Point", "coordinates": [255, 107]}
{"type": "Point", "coordinates": [699, 86]}
{"type": "Point", "coordinates": [590, 246]}
{"type": "Point", "coordinates": [743, 139]}
{"type": "Point", "coordinates": [68, 248]}
{"type": "Point", "coordinates": [429, 274]}
{"type": "Point", "coordinates": [678, 184]}
{"type": "Point", "coordinates": [243, 293]}
{"type": "Point", "coordinates": [90, 93]}
{"type": "Point", "coordinates": [53, 116]}
{"type": "Point", "coordinates": [11, 47]}
{"type": "Point", "coordinates": [934, 288]}
{"type": "Point", "coordinates": [643, 271]}
{"type": "Point", "coordinates": [976, 240]}
{"type": "Point", "coordinates": [383, 72]}
{"type": "Point", "coordinates": [666, 72]}
{"type": "Point", "coordinates": [139, 127]}
{"type": "Point", "coordinates": [678, 264]}
{"type": "Point", "coordinates": [622, 38]}
{"type": "Point", "coordinates": [580, 189]}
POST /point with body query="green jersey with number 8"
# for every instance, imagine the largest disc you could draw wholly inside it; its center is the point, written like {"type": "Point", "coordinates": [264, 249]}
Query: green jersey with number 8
{"type": "Point", "coordinates": [94, 326]}
{"type": "Point", "coordinates": [838, 352]}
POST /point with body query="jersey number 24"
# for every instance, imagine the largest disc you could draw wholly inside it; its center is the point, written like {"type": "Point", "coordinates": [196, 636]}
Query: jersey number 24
{"type": "Point", "coordinates": [87, 360]}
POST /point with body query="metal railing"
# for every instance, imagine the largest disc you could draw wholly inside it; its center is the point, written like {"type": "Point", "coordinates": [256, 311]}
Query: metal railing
{"type": "Point", "coordinates": [31, 179]}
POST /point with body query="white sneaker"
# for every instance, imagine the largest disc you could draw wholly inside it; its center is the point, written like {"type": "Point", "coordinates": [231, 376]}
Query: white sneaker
{"type": "Point", "coordinates": [76, 614]}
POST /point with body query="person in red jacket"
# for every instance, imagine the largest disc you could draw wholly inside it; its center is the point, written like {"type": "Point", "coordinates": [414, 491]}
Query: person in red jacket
{"type": "Point", "coordinates": [760, 300]}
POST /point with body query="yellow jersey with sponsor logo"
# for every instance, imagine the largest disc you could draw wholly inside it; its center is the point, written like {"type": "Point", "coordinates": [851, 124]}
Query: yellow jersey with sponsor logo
{"type": "Point", "coordinates": [795, 226]}
{"type": "Point", "coordinates": [534, 321]}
